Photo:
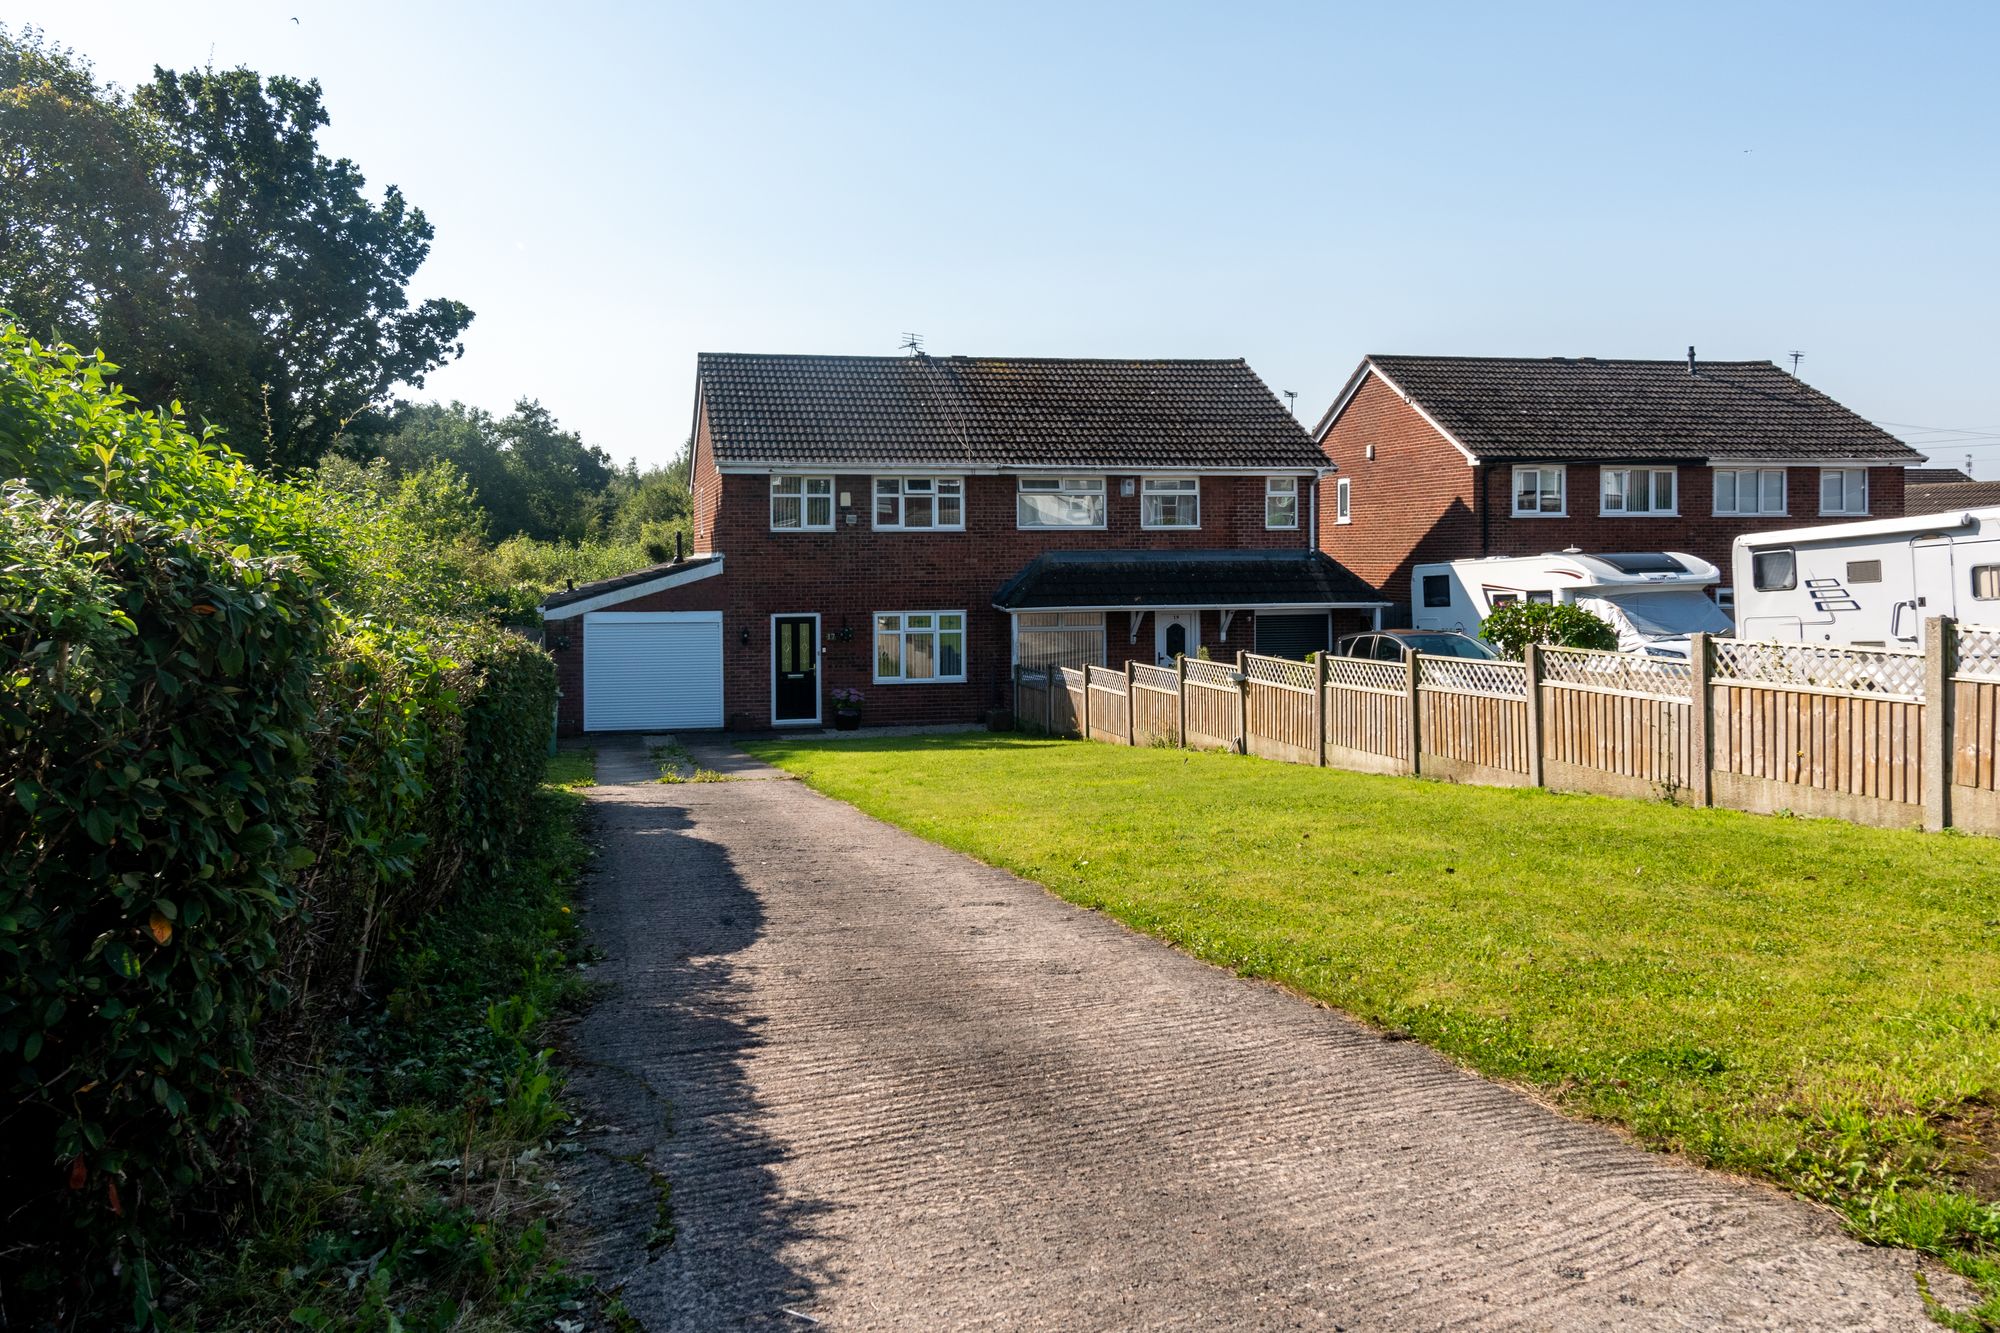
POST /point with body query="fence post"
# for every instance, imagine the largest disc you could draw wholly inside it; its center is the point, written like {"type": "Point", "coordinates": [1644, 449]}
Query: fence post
{"type": "Point", "coordinates": [1086, 701]}
{"type": "Point", "coordinates": [1131, 724]}
{"type": "Point", "coordinates": [1051, 674]}
{"type": "Point", "coordinates": [1531, 659]}
{"type": "Point", "coordinates": [1242, 705]}
{"type": "Point", "coordinates": [1410, 730]}
{"type": "Point", "coordinates": [1017, 696]}
{"type": "Point", "coordinates": [1319, 709]}
{"type": "Point", "coordinates": [1940, 654]}
{"type": "Point", "coordinates": [1701, 719]}
{"type": "Point", "coordinates": [1180, 701]}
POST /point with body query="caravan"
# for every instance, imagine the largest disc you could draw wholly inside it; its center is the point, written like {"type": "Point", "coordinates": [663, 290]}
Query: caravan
{"type": "Point", "coordinates": [1869, 585]}
{"type": "Point", "coordinates": [1653, 599]}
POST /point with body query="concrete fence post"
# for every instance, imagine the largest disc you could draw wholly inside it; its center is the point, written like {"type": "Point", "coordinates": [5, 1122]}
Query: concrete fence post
{"type": "Point", "coordinates": [1701, 720]}
{"type": "Point", "coordinates": [1180, 701]}
{"type": "Point", "coordinates": [1319, 709]}
{"type": "Point", "coordinates": [1051, 674]}
{"type": "Point", "coordinates": [1242, 705]}
{"type": "Point", "coordinates": [1531, 661]}
{"type": "Point", "coordinates": [1412, 734]}
{"type": "Point", "coordinates": [1131, 722]}
{"type": "Point", "coordinates": [1086, 701]}
{"type": "Point", "coordinates": [1940, 660]}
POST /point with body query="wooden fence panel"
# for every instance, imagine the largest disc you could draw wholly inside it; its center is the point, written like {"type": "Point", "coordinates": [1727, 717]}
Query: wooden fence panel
{"type": "Point", "coordinates": [1107, 704]}
{"type": "Point", "coordinates": [1069, 702]}
{"type": "Point", "coordinates": [1975, 733]}
{"type": "Point", "coordinates": [1155, 715]}
{"type": "Point", "coordinates": [1278, 709]}
{"type": "Point", "coordinates": [1366, 728]}
{"type": "Point", "coordinates": [1472, 719]}
{"type": "Point", "coordinates": [1842, 744]}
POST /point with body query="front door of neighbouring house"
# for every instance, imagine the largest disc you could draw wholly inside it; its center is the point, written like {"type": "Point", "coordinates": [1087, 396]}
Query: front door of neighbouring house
{"type": "Point", "coordinates": [1175, 634]}
{"type": "Point", "coordinates": [794, 669]}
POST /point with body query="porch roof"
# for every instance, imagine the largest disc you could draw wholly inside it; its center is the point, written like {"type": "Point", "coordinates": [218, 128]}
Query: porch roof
{"type": "Point", "coordinates": [1105, 580]}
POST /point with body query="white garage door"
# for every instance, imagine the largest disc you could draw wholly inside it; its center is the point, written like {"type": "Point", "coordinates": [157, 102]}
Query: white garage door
{"type": "Point", "coordinates": [652, 670]}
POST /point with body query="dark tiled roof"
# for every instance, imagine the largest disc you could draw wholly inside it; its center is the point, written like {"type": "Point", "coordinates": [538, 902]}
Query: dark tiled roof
{"type": "Point", "coordinates": [1950, 497]}
{"type": "Point", "coordinates": [1933, 476]}
{"type": "Point", "coordinates": [637, 576]}
{"type": "Point", "coordinates": [1582, 408]}
{"type": "Point", "coordinates": [1227, 579]}
{"type": "Point", "coordinates": [997, 412]}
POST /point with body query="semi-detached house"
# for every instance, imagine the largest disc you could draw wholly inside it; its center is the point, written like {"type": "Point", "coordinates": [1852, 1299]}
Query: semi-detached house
{"type": "Point", "coordinates": [1449, 458]}
{"type": "Point", "coordinates": [913, 527]}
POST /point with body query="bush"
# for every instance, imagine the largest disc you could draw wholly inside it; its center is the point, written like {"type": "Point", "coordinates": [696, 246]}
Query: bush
{"type": "Point", "coordinates": [1511, 628]}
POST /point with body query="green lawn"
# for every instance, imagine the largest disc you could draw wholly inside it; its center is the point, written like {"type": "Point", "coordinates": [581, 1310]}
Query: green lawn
{"type": "Point", "coordinates": [1804, 1000]}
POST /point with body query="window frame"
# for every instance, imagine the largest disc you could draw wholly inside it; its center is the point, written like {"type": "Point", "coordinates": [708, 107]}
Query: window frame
{"type": "Point", "coordinates": [804, 496]}
{"type": "Point", "coordinates": [1757, 559]}
{"type": "Point", "coordinates": [1783, 475]}
{"type": "Point", "coordinates": [1094, 487]}
{"type": "Point", "coordinates": [1561, 471]}
{"type": "Point", "coordinates": [937, 496]}
{"type": "Point", "coordinates": [1292, 495]}
{"type": "Point", "coordinates": [1146, 495]}
{"type": "Point", "coordinates": [1652, 476]}
{"type": "Point", "coordinates": [935, 632]}
{"type": "Point", "coordinates": [1343, 500]}
{"type": "Point", "coordinates": [1844, 473]}
{"type": "Point", "coordinates": [1972, 583]}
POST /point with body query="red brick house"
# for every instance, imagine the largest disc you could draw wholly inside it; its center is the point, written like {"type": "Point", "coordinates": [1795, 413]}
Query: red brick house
{"type": "Point", "coordinates": [912, 527]}
{"type": "Point", "coordinates": [1447, 458]}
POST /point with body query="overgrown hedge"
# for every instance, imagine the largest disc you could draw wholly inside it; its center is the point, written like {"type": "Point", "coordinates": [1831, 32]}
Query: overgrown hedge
{"type": "Point", "coordinates": [223, 782]}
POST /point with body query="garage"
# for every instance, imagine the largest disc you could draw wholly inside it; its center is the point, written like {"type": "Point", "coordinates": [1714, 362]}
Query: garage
{"type": "Point", "coordinates": [652, 670]}
{"type": "Point", "coordinates": [1291, 634]}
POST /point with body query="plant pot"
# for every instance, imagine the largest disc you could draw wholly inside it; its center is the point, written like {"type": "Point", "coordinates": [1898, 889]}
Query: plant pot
{"type": "Point", "coordinates": [847, 721]}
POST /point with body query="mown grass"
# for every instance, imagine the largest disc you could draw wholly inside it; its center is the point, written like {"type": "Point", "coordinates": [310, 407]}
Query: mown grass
{"type": "Point", "coordinates": [1803, 1000]}
{"type": "Point", "coordinates": [408, 1183]}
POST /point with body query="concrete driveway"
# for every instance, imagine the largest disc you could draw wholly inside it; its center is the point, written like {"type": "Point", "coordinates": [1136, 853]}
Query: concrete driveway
{"type": "Point", "coordinates": [886, 1086]}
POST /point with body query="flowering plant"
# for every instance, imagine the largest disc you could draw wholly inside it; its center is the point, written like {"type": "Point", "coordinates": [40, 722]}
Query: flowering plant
{"type": "Point", "coordinates": [848, 701]}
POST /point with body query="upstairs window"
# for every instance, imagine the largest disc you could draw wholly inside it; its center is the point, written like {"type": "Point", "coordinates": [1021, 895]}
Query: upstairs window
{"type": "Point", "coordinates": [801, 504]}
{"type": "Point", "coordinates": [920, 502]}
{"type": "Point", "coordinates": [1638, 490]}
{"type": "Point", "coordinates": [1843, 490]}
{"type": "Point", "coordinates": [1060, 502]}
{"type": "Point", "coordinates": [1343, 501]}
{"type": "Point", "coordinates": [1170, 502]}
{"type": "Point", "coordinates": [1281, 502]}
{"type": "Point", "coordinates": [1750, 490]}
{"type": "Point", "coordinates": [1539, 493]}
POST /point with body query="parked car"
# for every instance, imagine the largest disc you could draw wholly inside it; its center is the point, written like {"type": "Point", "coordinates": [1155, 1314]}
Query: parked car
{"type": "Point", "coordinates": [1393, 645]}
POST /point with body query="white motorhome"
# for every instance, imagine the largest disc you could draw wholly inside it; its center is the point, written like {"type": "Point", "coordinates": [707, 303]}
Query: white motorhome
{"type": "Point", "coordinates": [1654, 599]}
{"type": "Point", "coordinates": [1868, 584]}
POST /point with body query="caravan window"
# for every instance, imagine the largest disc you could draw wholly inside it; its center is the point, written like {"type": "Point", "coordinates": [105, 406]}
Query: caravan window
{"type": "Point", "coordinates": [1437, 590]}
{"type": "Point", "coordinates": [1774, 571]}
{"type": "Point", "coordinates": [1986, 583]}
{"type": "Point", "coordinates": [1864, 571]}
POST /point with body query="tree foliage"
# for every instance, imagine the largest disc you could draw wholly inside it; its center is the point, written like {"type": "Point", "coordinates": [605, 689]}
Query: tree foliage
{"type": "Point", "coordinates": [196, 229]}
{"type": "Point", "coordinates": [1511, 628]}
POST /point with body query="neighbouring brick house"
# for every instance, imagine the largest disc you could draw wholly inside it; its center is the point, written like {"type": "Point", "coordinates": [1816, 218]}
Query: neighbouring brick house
{"type": "Point", "coordinates": [912, 527]}
{"type": "Point", "coordinates": [1447, 457]}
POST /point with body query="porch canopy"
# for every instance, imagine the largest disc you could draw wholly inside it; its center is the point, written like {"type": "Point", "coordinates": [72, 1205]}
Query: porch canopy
{"type": "Point", "coordinates": [1073, 590]}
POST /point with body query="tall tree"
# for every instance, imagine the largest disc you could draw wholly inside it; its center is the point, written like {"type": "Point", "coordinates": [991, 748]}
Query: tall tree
{"type": "Point", "coordinates": [532, 477]}
{"type": "Point", "coordinates": [197, 234]}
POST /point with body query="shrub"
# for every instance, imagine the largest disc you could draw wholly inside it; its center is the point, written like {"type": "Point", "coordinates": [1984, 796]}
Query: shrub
{"type": "Point", "coordinates": [1511, 628]}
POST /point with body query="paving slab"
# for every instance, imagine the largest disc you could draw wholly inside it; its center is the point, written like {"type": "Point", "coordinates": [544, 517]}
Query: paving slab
{"type": "Point", "coordinates": [889, 1087]}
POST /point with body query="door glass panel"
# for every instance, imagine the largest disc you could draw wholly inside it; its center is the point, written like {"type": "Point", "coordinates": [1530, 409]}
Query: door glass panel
{"type": "Point", "coordinates": [784, 646]}
{"type": "Point", "coordinates": [1176, 640]}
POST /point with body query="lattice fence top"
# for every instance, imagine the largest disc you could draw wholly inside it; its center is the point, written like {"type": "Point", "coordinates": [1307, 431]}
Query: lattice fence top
{"type": "Point", "coordinates": [1158, 678]}
{"type": "Point", "coordinates": [1071, 676]}
{"type": "Point", "coordinates": [1104, 678]}
{"type": "Point", "coordinates": [1201, 671]}
{"type": "Point", "coordinates": [1978, 651]}
{"type": "Point", "coordinates": [1658, 676]}
{"type": "Point", "coordinates": [1360, 673]}
{"type": "Point", "coordinates": [1281, 671]}
{"type": "Point", "coordinates": [1507, 679]}
{"type": "Point", "coordinates": [1873, 671]}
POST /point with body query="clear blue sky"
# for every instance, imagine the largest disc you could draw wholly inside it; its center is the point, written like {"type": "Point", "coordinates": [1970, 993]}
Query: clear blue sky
{"type": "Point", "coordinates": [618, 186]}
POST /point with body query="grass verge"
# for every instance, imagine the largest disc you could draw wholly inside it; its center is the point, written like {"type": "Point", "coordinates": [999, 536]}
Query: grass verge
{"type": "Point", "coordinates": [1803, 1000]}
{"type": "Point", "coordinates": [407, 1184]}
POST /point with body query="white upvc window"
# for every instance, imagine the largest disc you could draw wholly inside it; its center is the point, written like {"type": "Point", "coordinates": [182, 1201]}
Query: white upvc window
{"type": "Point", "coordinates": [801, 504]}
{"type": "Point", "coordinates": [1539, 491]}
{"type": "Point", "coordinates": [1638, 490]}
{"type": "Point", "coordinates": [1060, 502]}
{"type": "Point", "coordinates": [919, 646]}
{"type": "Point", "coordinates": [920, 503]}
{"type": "Point", "coordinates": [1749, 490]}
{"type": "Point", "coordinates": [1281, 502]}
{"type": "Point", "coordinates": [1170, 502]}
{"type": "Point", "coordinates": [1343, 501]}
{"type": "Point", "coordinates": [1843, 490]}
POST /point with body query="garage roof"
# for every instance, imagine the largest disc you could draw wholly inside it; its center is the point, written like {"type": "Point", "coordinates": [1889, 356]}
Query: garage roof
{"type": "Point", "coordinates": [604, 592]}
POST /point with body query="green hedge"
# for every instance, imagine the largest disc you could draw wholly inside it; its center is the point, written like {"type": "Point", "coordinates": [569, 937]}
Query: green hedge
{"type": "Point", "coordinates": [224, 784]}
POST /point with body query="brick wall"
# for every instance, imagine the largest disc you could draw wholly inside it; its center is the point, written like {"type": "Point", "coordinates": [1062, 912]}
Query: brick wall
{"type": "Point", "coordinates": [851, 573]}
{"type": "Point", "coordinates": [1418, 501]}
{"type": "Point", "coordinates": [705, 499]}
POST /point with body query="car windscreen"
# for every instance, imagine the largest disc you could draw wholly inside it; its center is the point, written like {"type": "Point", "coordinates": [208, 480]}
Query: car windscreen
{"type": "Point", "coordinates": [1446, 645]}
{"type": "Point", "coordinates": [1669, 613]}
